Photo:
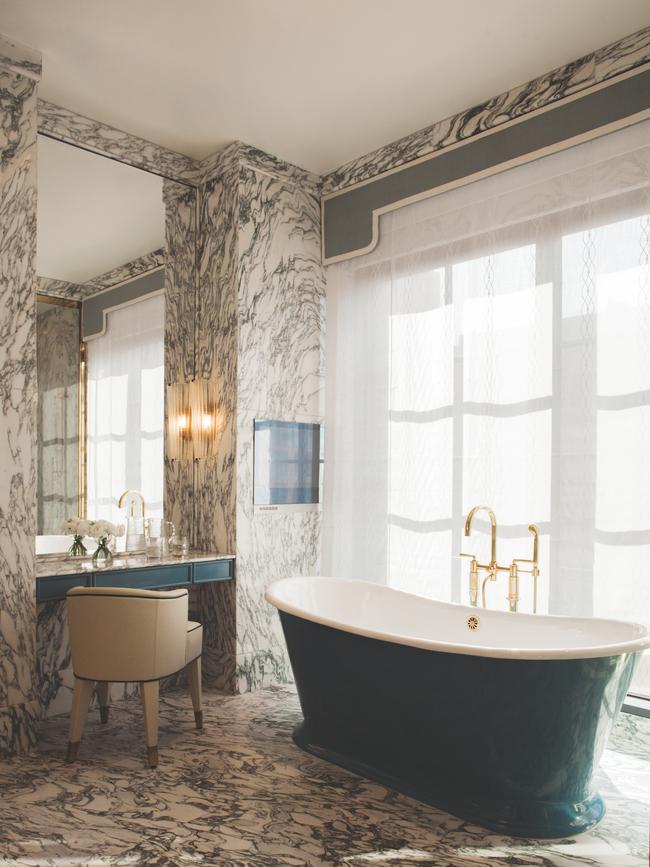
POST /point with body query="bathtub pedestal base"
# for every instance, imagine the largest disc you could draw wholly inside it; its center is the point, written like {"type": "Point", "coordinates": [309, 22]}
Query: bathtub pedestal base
{"type": "Point", "coordinates": [515, 818]}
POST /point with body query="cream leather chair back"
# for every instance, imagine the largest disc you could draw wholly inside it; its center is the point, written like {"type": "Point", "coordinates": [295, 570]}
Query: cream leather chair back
{"type": "Point", "coordinates": [121, 634]}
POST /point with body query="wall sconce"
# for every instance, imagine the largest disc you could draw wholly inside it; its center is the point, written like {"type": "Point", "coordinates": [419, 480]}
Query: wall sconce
{"type": "Point", "coordinates": [193, 422]}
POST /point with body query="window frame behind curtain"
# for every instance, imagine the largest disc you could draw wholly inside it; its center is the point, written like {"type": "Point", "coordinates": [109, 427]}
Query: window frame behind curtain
{"type": "Point", "coordinates": [614, 197]}
{"type": "Point", "coordinates": [128, 404]}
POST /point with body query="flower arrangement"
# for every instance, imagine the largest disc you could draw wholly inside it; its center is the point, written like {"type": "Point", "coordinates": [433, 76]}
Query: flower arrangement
{"type": "Point", "coordinates": [102, 531]}
{"type": "Point", "coordinates": [77, 528]}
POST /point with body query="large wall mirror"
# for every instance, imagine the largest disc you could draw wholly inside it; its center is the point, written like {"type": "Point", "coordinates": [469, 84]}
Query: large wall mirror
{"type": "Point", "coordinates": [100, 338]}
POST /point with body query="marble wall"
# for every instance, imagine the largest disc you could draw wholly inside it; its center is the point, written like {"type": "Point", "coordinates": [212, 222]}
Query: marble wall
{"type": "Point", "coordinates": [18, 702]}
{"type": "Point", "coordinates": [215, 489]}
{"type": "Point", "coordinates": [261, 336]}
{"type": "Point", "coordinates": [180, 331]}
{"type": "Point", "coordinates": [281, 324]}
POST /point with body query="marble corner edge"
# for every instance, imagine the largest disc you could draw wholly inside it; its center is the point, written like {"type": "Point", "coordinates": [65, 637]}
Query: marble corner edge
{"type": "Point", "coordinates": [19, 58]}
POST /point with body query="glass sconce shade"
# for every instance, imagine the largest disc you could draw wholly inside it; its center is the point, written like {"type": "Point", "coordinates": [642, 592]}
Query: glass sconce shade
{"type": "Point", "coordinates": [191, 420]}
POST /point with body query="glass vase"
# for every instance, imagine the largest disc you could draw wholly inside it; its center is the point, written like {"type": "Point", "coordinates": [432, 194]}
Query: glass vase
{"type": "Point", "coordinates": [103, 556]}
{"type": "Point", "coordinates": [77, 549]}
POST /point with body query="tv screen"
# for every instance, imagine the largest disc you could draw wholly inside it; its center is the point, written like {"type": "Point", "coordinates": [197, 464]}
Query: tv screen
{"type": "Point", "coordinates": [288, 459]}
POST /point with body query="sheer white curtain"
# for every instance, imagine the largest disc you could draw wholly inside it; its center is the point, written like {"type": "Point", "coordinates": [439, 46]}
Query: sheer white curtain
{"type": "Point", "coordinates": [495, 349]}
{"type": "Point", "coordinates": [126, 409]}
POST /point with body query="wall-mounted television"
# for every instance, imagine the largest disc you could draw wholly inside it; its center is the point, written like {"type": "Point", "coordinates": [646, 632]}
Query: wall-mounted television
{"type": "Point", "coordinates": [288, 465]}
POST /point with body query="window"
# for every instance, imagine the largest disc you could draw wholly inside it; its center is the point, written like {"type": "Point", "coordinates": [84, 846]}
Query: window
{"type": "Point", "coordinates": [495, 348]}
{"type": "Point", "coordinates": [126, 409]}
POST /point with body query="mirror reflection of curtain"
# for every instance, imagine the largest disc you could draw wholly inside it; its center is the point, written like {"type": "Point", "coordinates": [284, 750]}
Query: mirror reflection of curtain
{"type": "Point", "coordinates": [57, 423]}
{"type": "Point", "coordinates": [494, 349]}
{"type": "Point", "coordinates": [126, 409]}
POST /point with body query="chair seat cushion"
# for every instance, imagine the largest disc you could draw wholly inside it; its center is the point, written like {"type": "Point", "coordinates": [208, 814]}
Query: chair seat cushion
{"type": "Point", "coordinates": [194, 641]}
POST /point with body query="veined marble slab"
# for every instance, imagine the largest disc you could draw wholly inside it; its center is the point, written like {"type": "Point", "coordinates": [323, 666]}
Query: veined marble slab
{"type": "Point", "coordinates": [261, 331]}
{"type": "Point", "coordinates": [76, 129]}
{"type": "Point", "coordinates": [48, 566]}
{"type": "Point", "coordinates": [19, 58]}
{"type": "Point", "coordinates": [241, 794]}
{"type": "Point", "coordinates": [18, 703]}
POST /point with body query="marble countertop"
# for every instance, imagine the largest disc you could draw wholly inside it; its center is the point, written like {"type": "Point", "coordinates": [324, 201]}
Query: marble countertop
{"type": "Point", "coordinates": [49, 566]}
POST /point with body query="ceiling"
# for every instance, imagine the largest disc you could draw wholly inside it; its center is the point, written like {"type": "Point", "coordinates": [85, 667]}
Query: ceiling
{"type": "Point", "coordinates": [316, 82]}
{"type": "Point", "coordinates": [93, 214]}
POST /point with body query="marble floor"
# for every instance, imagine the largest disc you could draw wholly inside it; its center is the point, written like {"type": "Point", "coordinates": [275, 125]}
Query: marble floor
{"type": "Point", "coordinates": [241, 793]}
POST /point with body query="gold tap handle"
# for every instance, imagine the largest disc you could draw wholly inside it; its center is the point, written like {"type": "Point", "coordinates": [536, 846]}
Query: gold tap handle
{"type": "Point", "coordinates": [473, 578]}
{"type": "Point", "coordinates": [534, 563]}
{"type": "Point", "coordinates": [513, 587]}
{"type": "Point", "coordinates": [534, 529]}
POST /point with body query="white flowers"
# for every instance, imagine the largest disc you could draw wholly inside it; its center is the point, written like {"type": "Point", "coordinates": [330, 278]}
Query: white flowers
{"type": "Point", "coordinates": [94, 529]}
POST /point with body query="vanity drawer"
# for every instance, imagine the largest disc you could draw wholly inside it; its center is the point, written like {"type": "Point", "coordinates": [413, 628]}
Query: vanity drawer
{"type": "Point", "coordinates": [153, 578]}
{"type": "Point", "coordinates": [215, 570]}
{"type": "Point", "coordinates": [55, 588]}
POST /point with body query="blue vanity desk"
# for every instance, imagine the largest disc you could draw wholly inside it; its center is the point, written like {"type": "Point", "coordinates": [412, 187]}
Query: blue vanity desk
{"type": "Point", "coordinates": [55, 576]}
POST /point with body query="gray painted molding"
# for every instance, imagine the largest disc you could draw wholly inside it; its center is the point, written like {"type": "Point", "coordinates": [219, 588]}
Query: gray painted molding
{"type": "Point", "coordinates": [120, 274]}
{"type": "Point", "coordinates": [350, 216]}
{"type": "Point", "coordinates": [95, 308]}
{"type": "Point", "coordinates": [396, 171]}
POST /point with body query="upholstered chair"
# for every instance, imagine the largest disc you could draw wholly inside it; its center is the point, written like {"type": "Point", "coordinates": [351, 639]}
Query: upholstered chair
{"type": "Point", "coordinates": [118, 635]}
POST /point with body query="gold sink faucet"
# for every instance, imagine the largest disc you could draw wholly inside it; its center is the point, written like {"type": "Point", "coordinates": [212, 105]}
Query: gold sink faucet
{"type": "Point", "coordinates": [135, 527]}
{"type": "Point", "coordinates": [492, 568]}
{"type": "Point", "coordinates": [133, 496]}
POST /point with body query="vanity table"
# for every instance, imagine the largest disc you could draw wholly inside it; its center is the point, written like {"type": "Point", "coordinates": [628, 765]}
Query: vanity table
{"type": "Point", "coordinates": [55, 576]}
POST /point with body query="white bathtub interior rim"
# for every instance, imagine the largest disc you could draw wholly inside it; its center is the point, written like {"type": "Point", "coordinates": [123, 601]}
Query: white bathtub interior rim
{"type": "Point", "coordinates": [376, 611]}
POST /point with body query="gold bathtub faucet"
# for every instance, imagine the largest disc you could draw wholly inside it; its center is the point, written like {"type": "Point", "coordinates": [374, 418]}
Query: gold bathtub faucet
{"type": "Point", "coordinates": [492, 568]}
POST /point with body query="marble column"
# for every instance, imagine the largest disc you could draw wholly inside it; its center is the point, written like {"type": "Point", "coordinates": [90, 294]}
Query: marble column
{"type": "Point", "coordinates": [261, 335]}
{"type": "Point", "coordinates": [280, 376]}
{"type": "Point", "coordinates": [180, 331]}
{"type": "Point", "coordinates": [216, 491]}
{"type": "Point", "coordinates": [19, 75]}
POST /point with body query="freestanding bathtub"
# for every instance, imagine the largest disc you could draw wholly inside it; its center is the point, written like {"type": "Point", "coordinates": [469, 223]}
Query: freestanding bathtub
{"type": "Point", "coordinates": [495, 717]}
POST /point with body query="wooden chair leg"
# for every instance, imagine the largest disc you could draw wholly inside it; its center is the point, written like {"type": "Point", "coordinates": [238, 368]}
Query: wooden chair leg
{"type": "Point", "coordinates": [103, 691]}
{"type": "Point", "coordinates": [83, 692]}
{"type": "Point", "coordinates": [150, 693]}
{"type": "Point", "coordinates": [194, 678]}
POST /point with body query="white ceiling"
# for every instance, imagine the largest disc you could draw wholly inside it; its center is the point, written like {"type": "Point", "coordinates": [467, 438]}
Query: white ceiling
{"type": "Point", "coordinates": [93, 213]}
{"type": "Point", "coordinates": [317, 82]}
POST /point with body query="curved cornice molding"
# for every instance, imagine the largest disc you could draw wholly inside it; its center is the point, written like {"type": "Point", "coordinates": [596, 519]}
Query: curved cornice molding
{"type": "Point", "coordinates": [590, 97]}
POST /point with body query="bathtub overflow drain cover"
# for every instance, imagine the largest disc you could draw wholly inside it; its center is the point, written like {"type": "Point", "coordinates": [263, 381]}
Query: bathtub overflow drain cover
{"type": "Point", "coordinates": [473, 622]}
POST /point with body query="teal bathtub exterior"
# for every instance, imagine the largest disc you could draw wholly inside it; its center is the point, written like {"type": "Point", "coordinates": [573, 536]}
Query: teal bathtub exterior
{"type": "Point", "coordinates": [509, 744]}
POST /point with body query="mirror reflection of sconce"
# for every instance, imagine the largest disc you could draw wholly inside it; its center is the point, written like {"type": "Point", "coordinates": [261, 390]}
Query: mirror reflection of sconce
{"type": "Point", "coordinates": [193, 421]}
